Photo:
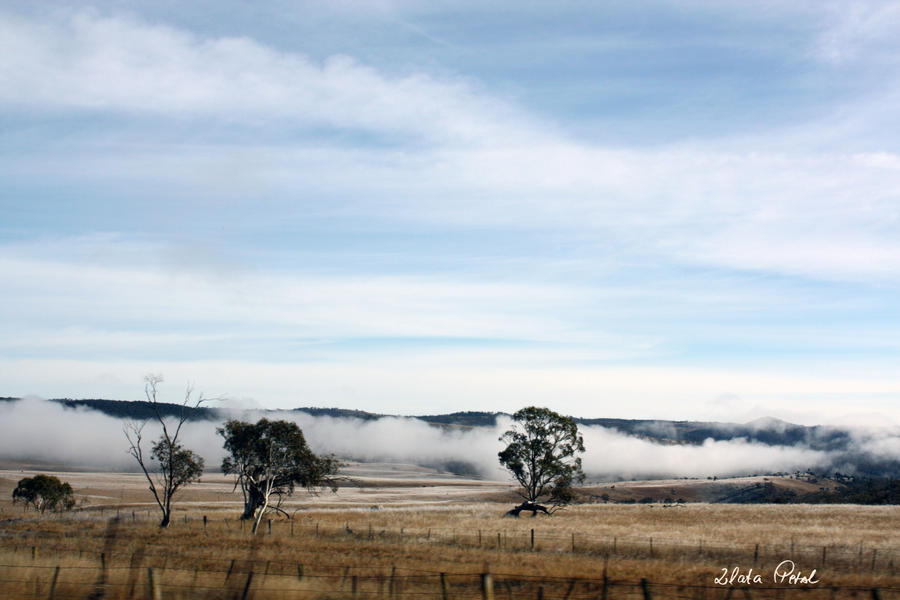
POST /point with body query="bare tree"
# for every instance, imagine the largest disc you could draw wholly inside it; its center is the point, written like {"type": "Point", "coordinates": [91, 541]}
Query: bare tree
{"type": "Point", "coordinates": [177, 466]}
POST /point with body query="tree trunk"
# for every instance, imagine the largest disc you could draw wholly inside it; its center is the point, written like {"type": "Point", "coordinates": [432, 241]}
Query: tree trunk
{"type": "Point", "coordinates": [165, 520]}
{"type": "Point", "coordinates": [254, 500]}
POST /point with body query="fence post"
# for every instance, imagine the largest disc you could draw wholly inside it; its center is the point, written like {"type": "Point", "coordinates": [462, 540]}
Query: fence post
{"type": "Point", "coordinates": [573, 542]}
{"type": "Point", "coordinates": [876, 595]}
{"type": "Point", "coordinates": [292, 527]}
{"type": "Point", "coordinates": [354, 582]}
{"type": "Point", "coordinates": [540, 595]}
{"type": "Point", "coordinates": [487, 586]}
{"type": "Point", "coordinates": [499, 545]}
{"type": "Point", "coordinates": [605, 593]}
{"type": "Point", "coordinates": [445, 591]}
{"type": "Point", "coordinates": [34, 553]}
{"type": "Point", "coordinates": [651, 547]}
{"type": "Point", "coordinates": [299, 571]}
{"type": "Point", "coordinates": [247, 585]}
{"type": "Point", "coordinates": [645, 588]}
{"type": "Point", "coordinates": [204, 521]}
{"type": "Point", "coordinates": [153, 583]}
{"type": "Point", "coordinates": [756, 554]}
{"type": "Point", "coordinates": [874, 555]}
{"type": "Point", "coordinates": [270, 526]}
{"type": "Point", "coordinates": [53, 583]}
{"type": "Point", "coordinates": [532, 538]}
{"type": "Point", "coordinates": [824, 555]}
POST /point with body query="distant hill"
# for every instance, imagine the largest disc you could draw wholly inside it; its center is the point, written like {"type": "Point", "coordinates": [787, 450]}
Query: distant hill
{"type": "Point", "coordinates": [138, 410]}
{"type": "Point", "coordinates": [767, 431]}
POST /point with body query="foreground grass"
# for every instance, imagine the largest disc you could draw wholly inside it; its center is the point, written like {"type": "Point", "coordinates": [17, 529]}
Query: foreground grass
{"type": "Point", "coordinates": [401, 552]}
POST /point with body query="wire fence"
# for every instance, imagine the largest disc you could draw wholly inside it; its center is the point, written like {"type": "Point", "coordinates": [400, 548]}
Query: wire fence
{"type": "Point", "coordinates": [57, 568]}
{"type": "Point", "coordinates": [835, 556]}
{"type": "Point", "coordinates": [76, 581]}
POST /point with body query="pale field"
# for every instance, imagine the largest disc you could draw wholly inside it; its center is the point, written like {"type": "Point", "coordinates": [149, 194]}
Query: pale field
{"type": "Point", "coordinates": [417, 524]}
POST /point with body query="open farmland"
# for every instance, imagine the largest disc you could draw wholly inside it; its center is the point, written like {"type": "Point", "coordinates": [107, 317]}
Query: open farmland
{"type": "Point", "coordinates": [405, 532]}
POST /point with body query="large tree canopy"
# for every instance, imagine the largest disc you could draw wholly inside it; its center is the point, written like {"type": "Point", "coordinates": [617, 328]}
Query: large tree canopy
{"type": "Point", "coordinates": [269, 459]}
{"type": "Point", "coordinates": [541, 454]}
{"type": "Point", "coordinates": [44, 492]}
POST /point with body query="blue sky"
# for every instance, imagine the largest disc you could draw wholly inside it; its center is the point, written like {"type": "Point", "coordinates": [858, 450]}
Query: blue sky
{"type": "Point", "coordinates": [656, 210]}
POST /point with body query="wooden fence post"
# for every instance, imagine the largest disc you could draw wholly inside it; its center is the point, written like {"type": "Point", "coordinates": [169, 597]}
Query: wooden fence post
{"type": "Point", "coordinates": [270, 526]}
{"type": "Point", "coordinates": [645, 588]}
{"type": "Point", "coordinates": [391, 586]}
{"type": "Point", "coordinates": [532, 538]}
{"type": "Point", "coordinates": [53, 583]}
{"type": "Point", "coordinates": [204, 521]}
{"type": "Point", "coordinates": [487, 587]}
{"type": "Point", "coordinates": [153, 584]}
{"type": "Point", "coordinates": [354, 583]}
{"type": "Point", "coordinates": [445, 591]}
{"type": "Point", "coordinates": [247, 585]}
{"type": "Point", "coordinates": [299, 571]}
{"type": "Point", "coordinates": [756, 554]}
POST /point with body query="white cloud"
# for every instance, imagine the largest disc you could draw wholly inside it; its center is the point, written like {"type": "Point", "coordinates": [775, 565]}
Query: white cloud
{"type": "Point", "coordinates": [858, 30]}
{"type": "Point", "coordinates": [118, 65]}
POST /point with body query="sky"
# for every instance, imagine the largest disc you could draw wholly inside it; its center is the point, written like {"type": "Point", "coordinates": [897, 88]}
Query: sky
{"type": "Point", "coordinates": [664, 210]}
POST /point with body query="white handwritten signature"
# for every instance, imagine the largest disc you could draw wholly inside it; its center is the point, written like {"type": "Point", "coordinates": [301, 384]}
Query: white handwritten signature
{"type": "Point", "coordinates": [785, 572]}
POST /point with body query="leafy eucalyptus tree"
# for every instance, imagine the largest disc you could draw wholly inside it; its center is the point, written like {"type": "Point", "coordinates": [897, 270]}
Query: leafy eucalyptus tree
{"type": "Point", "coordinates": [270, 458]}
{"type": "Point", "coordinates": [44, 492]}
{"type": "Point", "coordinates": [541, 453]}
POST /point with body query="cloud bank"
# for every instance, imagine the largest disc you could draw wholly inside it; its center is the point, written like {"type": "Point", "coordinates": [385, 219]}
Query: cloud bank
{"type": "Point", "coordinates": [35, 429]}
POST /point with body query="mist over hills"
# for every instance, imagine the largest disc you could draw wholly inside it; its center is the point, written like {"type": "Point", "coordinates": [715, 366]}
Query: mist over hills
{"type": "Point", "coordinates": [465, 442]}
{"type": "Point", "coordinates": [768, 431]}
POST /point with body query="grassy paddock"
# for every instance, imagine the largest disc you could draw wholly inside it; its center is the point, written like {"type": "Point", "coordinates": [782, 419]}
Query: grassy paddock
{"type": "Point", "coordinates": [401, 552]}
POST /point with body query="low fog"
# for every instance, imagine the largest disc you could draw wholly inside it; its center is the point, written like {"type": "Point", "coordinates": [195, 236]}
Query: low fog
{"type": "Point", "coordinates": [38, 430]}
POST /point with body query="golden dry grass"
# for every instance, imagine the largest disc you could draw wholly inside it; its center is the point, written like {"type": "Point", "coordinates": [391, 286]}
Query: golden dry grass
{"type": "Point", "coordinates": [419, 532]}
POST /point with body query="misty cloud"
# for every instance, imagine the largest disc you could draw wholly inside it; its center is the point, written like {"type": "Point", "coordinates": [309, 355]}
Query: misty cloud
{"type": "Point", "coordinates": [36, 429]}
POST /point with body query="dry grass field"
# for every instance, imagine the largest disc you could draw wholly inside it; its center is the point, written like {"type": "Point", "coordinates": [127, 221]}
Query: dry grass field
{"type": "Point", "coordinates": [397, 532]}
